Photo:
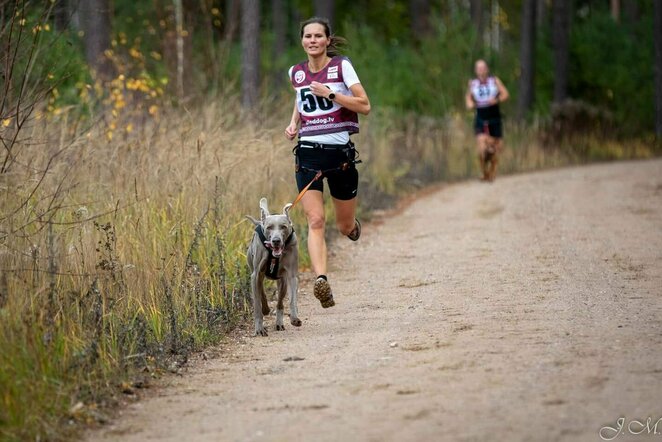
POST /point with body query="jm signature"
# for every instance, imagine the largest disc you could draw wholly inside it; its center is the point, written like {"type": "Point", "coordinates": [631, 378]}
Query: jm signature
{"type": "Point", "coordinates": [632, 426]}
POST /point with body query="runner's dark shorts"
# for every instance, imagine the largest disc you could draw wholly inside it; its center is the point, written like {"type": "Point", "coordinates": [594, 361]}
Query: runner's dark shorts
{"type": "Point", "coordinates": [343, 184]}
{"type": "Point", "coordinates": [493, 125]}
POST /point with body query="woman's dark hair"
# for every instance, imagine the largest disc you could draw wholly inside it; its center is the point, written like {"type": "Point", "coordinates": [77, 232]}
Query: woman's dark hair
{"type": "Point", "coordinates": [336, 43]}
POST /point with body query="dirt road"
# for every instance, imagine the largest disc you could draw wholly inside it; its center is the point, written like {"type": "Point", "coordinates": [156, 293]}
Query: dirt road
{"type": "Point", "coordinates": [529, 309]}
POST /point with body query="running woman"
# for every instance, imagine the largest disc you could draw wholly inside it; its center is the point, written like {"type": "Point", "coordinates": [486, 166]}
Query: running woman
{"type": "Point", "coordinates": [484, 93]}
{"type": "Point", "coordinates": [329, 96]}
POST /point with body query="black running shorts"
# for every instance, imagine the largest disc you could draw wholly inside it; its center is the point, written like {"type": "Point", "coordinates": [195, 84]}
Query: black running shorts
{"type": "Point", "coordinates": [492, 125]}
{"type": "Point", "coordinates": [343, 184]}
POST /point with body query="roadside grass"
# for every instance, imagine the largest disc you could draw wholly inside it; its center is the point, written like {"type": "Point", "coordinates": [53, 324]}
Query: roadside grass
{"type": "Point", "coordinates": [131, 255]}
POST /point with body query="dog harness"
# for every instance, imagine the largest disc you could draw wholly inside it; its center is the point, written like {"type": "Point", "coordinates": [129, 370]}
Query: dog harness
{"type": "Point", "coordinates": [273, 264]}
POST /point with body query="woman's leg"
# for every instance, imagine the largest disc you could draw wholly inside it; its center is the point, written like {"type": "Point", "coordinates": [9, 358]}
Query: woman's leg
{"type": "Point", "coordinates": [313, 207]}
{"type": "Point", "coordinates": [481, 140]}
{"type": "Point", "coordinates": [345, 215]}
{"type": "Point", "coordinates": [495, 158]}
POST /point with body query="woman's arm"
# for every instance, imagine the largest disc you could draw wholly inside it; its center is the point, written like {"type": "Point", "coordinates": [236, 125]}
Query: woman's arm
{"type": "Point", "coordinates": [292, 130]}
{"type": "Point", "coordinates": [359, 103]}
{"type": "Point", "coordinates": [503, 92]}
{"type": "Point", "coordinates": [468, 98]}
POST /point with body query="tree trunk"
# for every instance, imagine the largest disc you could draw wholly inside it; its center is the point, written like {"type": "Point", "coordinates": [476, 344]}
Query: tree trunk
{"type": "Point", "coordinates": [527, 58]}
{"type": "Point", "coordinates": [495, 37]}
{"type": "Point", "coordinates": [541, 14]}
{"type": "Point", "coordinates": [326, 9]}
{"type": "Point", "coordinates": [657, 38]}
{"type": "Point", "coordinates": [250, 53]}
{"type": "Point", "coordinates": [616, 10]}
{"type": "Point", "coordinates": [561, 43]}
{"type": "Point", "coordinates": [631, 12]}
{"type": "Point", "coordinates": [231, 25]}
{"type": "Point", "coordinates": [61, 15]}
{"type": "Point", "coordinates": [295, 18]}
{"type": "Point", "coordinates": [420, 17]}
{"type": "Point", "coordinates": [476, 11]}
{"type": "Point", "coordinates": [179, 45]}
{"type": "Point", "coordinates": [95, 23]}
{"type": "Point", "coordinates": [279, 17]}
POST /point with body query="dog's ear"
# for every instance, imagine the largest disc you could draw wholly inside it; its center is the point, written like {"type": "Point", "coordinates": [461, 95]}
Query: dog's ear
{"type": "Point", "coordinates": [253, 220]}
{"type": "Point", "coordinates": [264, 210]}
{"type": "Point", "coordinates": [286, 211]}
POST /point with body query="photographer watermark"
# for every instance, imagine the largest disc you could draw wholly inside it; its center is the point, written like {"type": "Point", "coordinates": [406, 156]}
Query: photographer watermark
{"type": "Point", "coordinates": [631, 427]}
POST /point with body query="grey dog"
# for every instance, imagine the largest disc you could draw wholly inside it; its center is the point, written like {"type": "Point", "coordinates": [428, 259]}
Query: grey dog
{"type": "Point", "coordinates": [273, 253]}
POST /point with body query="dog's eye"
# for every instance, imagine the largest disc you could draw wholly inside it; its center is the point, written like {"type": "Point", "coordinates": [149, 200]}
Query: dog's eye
{"type": "Point", "coordinates": [270, 227]}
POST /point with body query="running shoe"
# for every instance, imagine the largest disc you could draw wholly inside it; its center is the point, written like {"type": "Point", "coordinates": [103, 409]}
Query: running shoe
{"type": "Point", "coordinates": [355, 234]}
{"type": "Point", "coordinates": [322, 291]}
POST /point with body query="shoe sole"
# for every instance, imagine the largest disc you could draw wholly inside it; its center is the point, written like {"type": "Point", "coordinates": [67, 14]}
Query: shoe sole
{"type": "Point", "coordinates": [357, 229]}
{"type": "Point", "coordinates": [322, 292]}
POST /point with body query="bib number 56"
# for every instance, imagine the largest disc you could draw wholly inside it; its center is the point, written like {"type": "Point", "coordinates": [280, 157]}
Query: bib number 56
{"type": "Point", "coordinates": [311, 102]}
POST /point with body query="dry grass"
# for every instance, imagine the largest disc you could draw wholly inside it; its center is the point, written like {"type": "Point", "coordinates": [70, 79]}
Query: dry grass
{"type": "Point", "coordinates": [131, 253]}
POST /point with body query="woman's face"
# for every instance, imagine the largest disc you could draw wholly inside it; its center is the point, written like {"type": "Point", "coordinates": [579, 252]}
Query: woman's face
{"type": "Point", "coordinates": [481, 69]}
{"type": "Point", "coordinates": [314, 40]}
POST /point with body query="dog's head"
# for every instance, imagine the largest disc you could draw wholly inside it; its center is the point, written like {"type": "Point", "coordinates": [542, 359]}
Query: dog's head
{"type": "Point", "coordinates": [277, 228]}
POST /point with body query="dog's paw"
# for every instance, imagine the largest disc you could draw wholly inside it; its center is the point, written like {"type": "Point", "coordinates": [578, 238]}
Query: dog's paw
{"type": "Point", "coordinates": [295, 322]}
{"type": "Point", "coordinates": [261, 332]}
{"type": "Point", "coordinates": [280, 327]}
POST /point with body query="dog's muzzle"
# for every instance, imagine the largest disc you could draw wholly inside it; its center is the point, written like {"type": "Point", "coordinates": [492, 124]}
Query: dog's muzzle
{"type": "Point", "coordinates": [276, 246]}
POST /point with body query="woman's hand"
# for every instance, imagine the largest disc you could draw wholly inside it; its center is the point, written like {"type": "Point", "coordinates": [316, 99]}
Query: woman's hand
{"type": "Point", "coordinates": [292, 130]}
{"type": "Point", "coordinates": [319, 90]}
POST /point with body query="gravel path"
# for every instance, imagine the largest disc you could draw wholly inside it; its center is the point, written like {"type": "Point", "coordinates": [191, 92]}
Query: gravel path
{"type": "Point", "coordinates": [528, 309]}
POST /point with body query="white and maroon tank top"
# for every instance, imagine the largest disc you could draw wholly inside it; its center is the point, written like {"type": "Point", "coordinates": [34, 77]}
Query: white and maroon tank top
{"type": "Point", "coordinates": [484, 92]}
{"type": "Point", "coordinates": [321, 116]}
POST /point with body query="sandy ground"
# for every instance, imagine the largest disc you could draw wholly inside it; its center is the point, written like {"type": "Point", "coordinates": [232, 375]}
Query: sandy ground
{"type": "Point", "coordinates": [527, 309]}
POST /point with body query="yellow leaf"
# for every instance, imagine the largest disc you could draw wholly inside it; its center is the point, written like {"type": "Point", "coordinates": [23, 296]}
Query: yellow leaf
{"type": "Point", "coordinates": [6, 122]}
{"type": "Point", "coordinates": [129, 128]}
{"type": "Point", "coordinates": [153, 109]}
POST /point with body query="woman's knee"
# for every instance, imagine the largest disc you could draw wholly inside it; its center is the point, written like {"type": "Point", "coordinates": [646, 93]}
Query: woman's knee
{"type": "Point", "coordinates": [481, 142]}
{"type": "Point", "coordinates": [316, 220]}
